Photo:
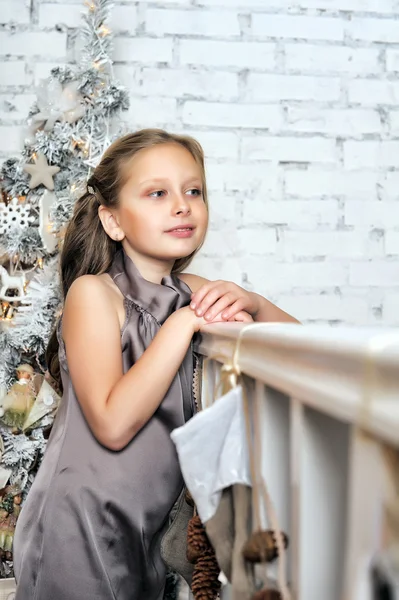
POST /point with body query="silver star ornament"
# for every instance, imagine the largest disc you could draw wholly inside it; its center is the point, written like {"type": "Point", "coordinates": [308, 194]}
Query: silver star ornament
{"type": "Point", "coordinates": [41, 172]}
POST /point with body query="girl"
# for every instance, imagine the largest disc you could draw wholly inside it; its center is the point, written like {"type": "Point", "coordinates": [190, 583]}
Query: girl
{"type": "Point", "coordinates": [92, 524]}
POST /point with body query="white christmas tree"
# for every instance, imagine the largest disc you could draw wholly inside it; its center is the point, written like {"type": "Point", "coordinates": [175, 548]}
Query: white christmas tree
{"type": "Point", "coordinates": [68, 130]}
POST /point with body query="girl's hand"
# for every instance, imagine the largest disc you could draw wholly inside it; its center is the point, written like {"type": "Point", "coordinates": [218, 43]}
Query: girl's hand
{"type": "Point", "coordinates": [187, 316]}
{"type": "Point", "coordinates": [223, 298]}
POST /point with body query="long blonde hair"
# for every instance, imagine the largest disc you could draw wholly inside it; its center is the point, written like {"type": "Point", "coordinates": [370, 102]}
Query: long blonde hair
{"type": "Point", "coordinates": [87, 249]}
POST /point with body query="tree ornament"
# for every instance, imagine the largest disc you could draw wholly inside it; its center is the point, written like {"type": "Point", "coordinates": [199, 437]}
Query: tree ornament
{"type": "Point", "coordinates": [7, 312]}
{"type": "Point", "coordinates": [12, 282]}
{"type": "Point", "coordinates": [197, 540]}
{"type": "Point", "coordinates": [262, 546]}
{"type": "Point", "coordinates": [57, 102]}
{"type": "Point", "coordinates": [205, 583]}
{"type": "Point", "coordinates": [41, 172]}
{"type": "Point", "coordinates": [46, 203]}
{"type": "Point", "coordinates": [14, 214]}
{"type": "Point", "coordinates": [20, 399]}
{"type": "Point", "coordinates": [46, 403]}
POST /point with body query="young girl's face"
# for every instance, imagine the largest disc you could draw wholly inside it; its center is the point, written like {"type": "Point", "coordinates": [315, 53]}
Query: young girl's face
{"type": "Point", "coordinates": [162, 212]}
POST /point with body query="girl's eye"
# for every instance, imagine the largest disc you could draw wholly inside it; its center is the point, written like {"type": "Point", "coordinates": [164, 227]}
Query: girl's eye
{"type": "Point", "coordinates": [157, 194]}
{"type": "Point", "coordinates": [194, 192]}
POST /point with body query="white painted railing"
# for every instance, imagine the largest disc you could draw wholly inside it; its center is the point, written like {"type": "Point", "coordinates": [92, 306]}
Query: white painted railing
{"type": "Point", "coordinates": [330, 436]}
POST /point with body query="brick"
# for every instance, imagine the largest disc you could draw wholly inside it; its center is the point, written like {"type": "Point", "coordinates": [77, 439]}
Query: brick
{"type": "Point", "coordinates": [218, 246]}
{"type": "Point", "coordinates": [285, 276]}
{"type": "Point", "coordinates": [315, 182]}
{"type": "Point", "coordinates": [325, 307]}
{"type": "Point", "coordinates": [392, 60]}
{"type": "Point", "coordinates": [373, 92]}
{"type": "Point", "coordinates": [389, 186]}
{"type": "Point", "coordinates": [51, 15]}
{"type": "Point", "coordinates": [12, 11]}
{"type": "Point", "coordinates": [12, 73]}
{"type": "Point", "coordinates": [305, 215]}
{"type": "Point", "coordinates": [126, 74]}
{"type": "Point", "coordinates": [217, 144]}
{"type": "Point", "coordinates": [330, 244]}
{"type": "Point", "coordinates": [372, 214]}
{"type": "Point", "coordinates": [174, 3]}
{"type": "Point", "coordinates": [151, 112]}
{"type": "Point", "coordinates": [222, 268]}
{"type": "Point", "coordinates": [240, 242]}
{"type": "Point", "coordinates": [30, 43]}
{"type": "Point", "coordinates": [240, 55]}
{"type": "Point", "coordinates": [15, 106]}
{"type": "Point", "coordinates": [262, 179]}
{"type": "Point", "coordinates": [346, 122]}
{"type": "Point", "coordinates": [364, 6]}
{"type": "Point", "coordinates": [374, 30]}
{"type": "Point", "coordinates": [390, 308]}
{"type": "Point", "coordinates": [337, 59]}
{"type": "Point", "coordinates": [11, 138]}
{"type": "Point", "coordinates": [394, 122]}
{"type": "Point", "coordinates": [392, 244]}
{"type": "Point", "coordinates": [188, 84]}
{"type": "Point", "coordinates": [124, 18]}
{"type": "Point", "coordinates": [288, 149]}
{"type": "Point", "coordinates": [262, 87]}
{"type": "Point", "coordinates": [252, 242]}
{"type": "Point", "coordinates": [224, 208]}
{"type": "Point", "coordinates": [142, 50]}
{"type": "Point", "coordinates": [299, 27]}
{"type": "Point", "coordinates": [258, 116]}
{"type": "Point", "coordinates": [42, 70]}
{"type": "Point", "coordinates": [374, 273]}
{"type": "Point", "coordinates": [371, 154]}
{"type": "Point", "coordinates": [208, 23]}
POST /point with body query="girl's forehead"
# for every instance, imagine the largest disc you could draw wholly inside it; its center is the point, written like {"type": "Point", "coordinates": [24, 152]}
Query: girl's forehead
{"type": "Point", "coordinates": [161, 161]}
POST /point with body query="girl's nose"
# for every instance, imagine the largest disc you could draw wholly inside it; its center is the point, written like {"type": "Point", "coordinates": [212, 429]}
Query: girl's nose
{"type": "Point", "coordinates": [182, 206]}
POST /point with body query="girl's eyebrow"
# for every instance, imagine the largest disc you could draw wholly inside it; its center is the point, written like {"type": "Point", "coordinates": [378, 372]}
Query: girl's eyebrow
{"type": "Point", "coordinates": [153, 180]}
{"type": "Point", "coordinates": [159, 180]}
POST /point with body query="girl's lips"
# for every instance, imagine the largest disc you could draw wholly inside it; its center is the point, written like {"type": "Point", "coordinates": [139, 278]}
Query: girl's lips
{"type": "Point", "coordinates": [181, 232]}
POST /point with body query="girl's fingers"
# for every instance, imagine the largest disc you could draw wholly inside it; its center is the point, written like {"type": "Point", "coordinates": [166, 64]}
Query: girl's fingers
{"type": "Point", "coordinates": [219, 306]}
{"type": "Point", "coordinates": [209, 300]}
{"type": "Point", "coordinates": [243, 317]}
{"type": "Point", "coordinates": [235, 307]}
{"type": "Point", "coordinates": [200, 294]}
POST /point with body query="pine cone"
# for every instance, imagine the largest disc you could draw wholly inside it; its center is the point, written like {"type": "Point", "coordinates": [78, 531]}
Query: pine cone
{"type": "Point", "coordinates": [205, 583]}
{"type": "Point", "coordinates": [262, 547]}
{"type": "Point", "coordinates": [267, 595]}
{"type": "Point", "coordinates": [197, 540]}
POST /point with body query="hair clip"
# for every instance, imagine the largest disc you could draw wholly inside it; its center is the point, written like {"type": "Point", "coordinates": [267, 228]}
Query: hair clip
{"type": "Point", "coordinates": [90, 189]}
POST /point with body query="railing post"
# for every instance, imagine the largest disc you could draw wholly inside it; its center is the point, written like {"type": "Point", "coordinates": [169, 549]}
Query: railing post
{"type": "Point", "coordinates": [296, 430]}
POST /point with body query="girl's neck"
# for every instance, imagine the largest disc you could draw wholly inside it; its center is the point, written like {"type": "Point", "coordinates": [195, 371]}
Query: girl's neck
{"type": "Point", "coordinates": [151, 269]}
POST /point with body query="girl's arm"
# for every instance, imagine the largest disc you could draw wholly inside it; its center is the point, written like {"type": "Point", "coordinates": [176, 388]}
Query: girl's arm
{"type": "Point", "coordinates": [213, 297]}
{"type": "Point", "coordinates": [117, 405]}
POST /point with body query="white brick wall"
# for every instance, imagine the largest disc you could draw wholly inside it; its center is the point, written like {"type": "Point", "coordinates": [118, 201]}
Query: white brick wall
{"type": "Point", "coordinates": [297, 105]}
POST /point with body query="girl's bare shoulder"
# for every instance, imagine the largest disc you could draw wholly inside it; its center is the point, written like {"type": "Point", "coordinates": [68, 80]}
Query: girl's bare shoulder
{"type": "Point", "coordinates": [97, 293]}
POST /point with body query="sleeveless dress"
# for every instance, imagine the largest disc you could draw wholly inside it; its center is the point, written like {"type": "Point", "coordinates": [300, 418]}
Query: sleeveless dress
{"type": "Point", "coordinates": [92, 524]}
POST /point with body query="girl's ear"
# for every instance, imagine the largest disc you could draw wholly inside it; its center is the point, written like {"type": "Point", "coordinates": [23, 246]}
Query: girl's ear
{"type": "Point", "coordinates": [110, 224]}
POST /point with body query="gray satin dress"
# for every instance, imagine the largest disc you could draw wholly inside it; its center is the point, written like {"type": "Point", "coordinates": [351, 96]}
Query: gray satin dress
{"type": "Point", "coordinates": [92, 524]}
